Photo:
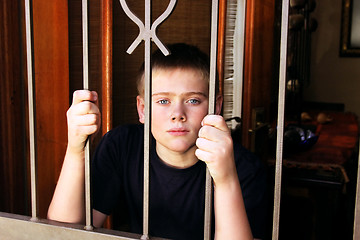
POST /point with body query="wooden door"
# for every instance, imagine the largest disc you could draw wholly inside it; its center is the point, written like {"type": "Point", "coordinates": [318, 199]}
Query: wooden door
{"type": "Point", "coordinates": [260, 72]}
{"type": "Point", "coordinates": [51, 89]}
{"type": "Point", "coordinates": [51, 68]}
{"type": "Point", "coordinates": [13, 188]}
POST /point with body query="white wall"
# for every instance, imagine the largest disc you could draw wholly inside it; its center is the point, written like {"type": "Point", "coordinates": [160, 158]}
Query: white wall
{"type": "Point", "coordinates": [333, 79]}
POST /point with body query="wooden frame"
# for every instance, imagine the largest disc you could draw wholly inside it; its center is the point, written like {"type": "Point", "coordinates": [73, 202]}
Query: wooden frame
{"type": "Point", "coordinates": [350, 29]}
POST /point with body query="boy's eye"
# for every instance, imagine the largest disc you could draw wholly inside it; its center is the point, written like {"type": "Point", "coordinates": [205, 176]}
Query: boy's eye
{"type": "Point", "coordinates": [163, 101]}
{"type": "Point", "coordinates": [193, 101]}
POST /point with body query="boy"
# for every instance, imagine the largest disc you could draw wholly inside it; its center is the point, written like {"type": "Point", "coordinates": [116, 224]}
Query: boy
{"type": "Point", "coordinates": [183, 134]}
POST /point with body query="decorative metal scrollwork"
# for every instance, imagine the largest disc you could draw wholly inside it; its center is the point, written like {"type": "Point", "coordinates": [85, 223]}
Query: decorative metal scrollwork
{"type": "Point", "coordinates": [145, 31]}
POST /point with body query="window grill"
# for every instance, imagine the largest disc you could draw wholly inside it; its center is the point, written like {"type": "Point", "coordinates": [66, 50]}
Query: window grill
{"type": "Point", "coordinates": [11, 224]}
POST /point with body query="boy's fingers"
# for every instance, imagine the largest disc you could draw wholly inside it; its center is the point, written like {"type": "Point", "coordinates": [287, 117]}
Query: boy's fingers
{"type": "Point", "coordinates": [88, 130]}
{"type": "Point", "coordinates": [216, 121]}
{"type": "Point", "coordinates": [84, 95]}
{"type": "Point", "coordinates": [85, 107]}
{"type": "Point", "coordinates": [207, 132]}
{"type": "Point", "coordinates": [202, 155]}
{"type": "Point", "coordinates": [87, 120]}
{"type": "Point", "coordinates": [95, 97]}
{"type": "Point", "coordinates": [215, 132]}
{"type": "Point", "coordinates": [205, 144]}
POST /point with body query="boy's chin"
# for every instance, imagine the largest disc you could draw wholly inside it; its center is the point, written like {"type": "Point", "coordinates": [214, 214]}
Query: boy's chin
{"type": "Point", "coordinates": [179, 147]}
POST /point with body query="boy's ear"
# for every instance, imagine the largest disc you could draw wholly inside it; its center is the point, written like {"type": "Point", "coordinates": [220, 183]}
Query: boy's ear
{"type": "Point", "coordinates": [218, 104]}
{"type": "Point", "coordinates": [140, 108]}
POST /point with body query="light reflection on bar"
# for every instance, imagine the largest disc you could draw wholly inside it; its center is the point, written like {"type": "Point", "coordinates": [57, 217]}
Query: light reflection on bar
{"type": "Point", "coordinates": [88, 210]}
{"type": "Point", "coordinates": [31, 97]}
{"type": "Point", "coordinates": [280, 121]}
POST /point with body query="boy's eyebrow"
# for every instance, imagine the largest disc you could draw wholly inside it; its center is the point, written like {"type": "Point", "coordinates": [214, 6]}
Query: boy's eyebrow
{"type": "Point", "coordinates": [184, 94]}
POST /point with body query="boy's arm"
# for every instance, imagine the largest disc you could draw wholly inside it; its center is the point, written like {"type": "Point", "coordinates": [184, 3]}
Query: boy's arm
{"type": "Point", "coordinates": [68, 201]}
{"type": "Point", "coordinates": [67, 204]}
{"type": "Point", "coordinates": [215, 148]}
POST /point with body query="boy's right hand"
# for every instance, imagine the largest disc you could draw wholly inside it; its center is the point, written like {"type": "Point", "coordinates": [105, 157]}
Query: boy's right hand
{"type": "Point", "coordinates": [83, 119]}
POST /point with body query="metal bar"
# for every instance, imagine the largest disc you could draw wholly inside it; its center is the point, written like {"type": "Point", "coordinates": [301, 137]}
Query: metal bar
{"type": "Point", "coordinates": [32, 142]}
{"type": "Point", "coordinates": [88, 211]}
{"type": "Point", "coordinates": [147, 128]}
{"type": "Point", "coordinates": [356, 233]}
{"type": "Point", "coordinates": [280, 122]}
{"type": "Point", "coordinates": [84, 8]}
{"type": "Point", "coordinates": [211, 110]}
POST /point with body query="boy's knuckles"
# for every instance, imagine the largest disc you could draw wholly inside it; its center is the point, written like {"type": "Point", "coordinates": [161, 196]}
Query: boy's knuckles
{"type": "Point", "coordinates": [213, 120]}
{"type": "Point", "coordinates": [90, 119]}
{"type": "Point", "coordinates": [200, 143]}
{"type": "Point", "coordinates": [202, 155]}
{"type": "Point", "coordinates": [86, 106]}
{"type": "Point", "coordinates": [205, 131]}
{"type": "Point", "coordinates": [85, 131]}
{"type": "Point", "coordinates": [218, 119]}
{"type": "Point", "coordinates": [76, 94]}
{"type": "Point", "coordinates": [91, 129]}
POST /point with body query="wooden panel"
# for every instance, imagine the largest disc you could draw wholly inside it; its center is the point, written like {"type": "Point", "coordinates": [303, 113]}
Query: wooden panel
{"type": "Point", "coordinates": [50, 27]}
{"type": "Point", "coordinates": [221, 44]}
{"type": "Point", "coordinates": [106, 63]}
{"type": "Point", "coordinates": [106, 72]}
{"type": "Point", "coordinates": [12, 117]}
{"type": "Point", "coordinates": [258, 70]}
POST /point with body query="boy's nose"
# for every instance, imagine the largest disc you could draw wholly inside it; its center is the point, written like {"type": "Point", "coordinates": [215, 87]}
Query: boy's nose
{"type": "Point", "coordinates": [178, 118]}
{"type": "Point", "coordinates": [178, 114]}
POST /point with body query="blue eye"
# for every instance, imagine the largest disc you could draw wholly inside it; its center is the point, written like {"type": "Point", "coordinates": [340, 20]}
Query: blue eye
{"type": "Point", "coordinates": [193, 101]}
{"type": "Point", "coordinates": [163, 101]}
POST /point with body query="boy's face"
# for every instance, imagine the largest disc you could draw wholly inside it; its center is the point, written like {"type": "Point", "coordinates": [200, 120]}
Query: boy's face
{"type": "Point", "coordinates": [179, 104]}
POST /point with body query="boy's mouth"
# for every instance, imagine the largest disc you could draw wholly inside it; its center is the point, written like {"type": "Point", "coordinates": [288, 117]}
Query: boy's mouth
{"type": "Point", "coordinates": [178, 131]}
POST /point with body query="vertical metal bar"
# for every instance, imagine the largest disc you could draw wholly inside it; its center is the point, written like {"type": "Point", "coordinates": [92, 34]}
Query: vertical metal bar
{"type": "Point", "coordinates": [147, 76]}
{"type": "Point", "coordinates": [212, 96]}
{"type": "Point", "coordinates": [280, 122]}
{"type": "Point", "coordinates": [356, 234]}
{"type": "Point", "coordinates": [88, 215]}
{"type": "Point", "coordinates": [33, 167]}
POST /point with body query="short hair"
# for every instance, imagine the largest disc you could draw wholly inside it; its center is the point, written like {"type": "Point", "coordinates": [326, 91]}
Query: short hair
{"type": "Point", "coordinates": [182, 55]}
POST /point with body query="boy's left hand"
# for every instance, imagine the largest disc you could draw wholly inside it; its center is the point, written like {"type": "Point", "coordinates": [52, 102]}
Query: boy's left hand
{"type": "Point", "coordinates": [215, 148]}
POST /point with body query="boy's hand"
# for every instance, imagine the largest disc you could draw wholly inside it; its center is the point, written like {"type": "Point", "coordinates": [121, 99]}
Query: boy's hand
{"type": "Point", "coordinates": [83, 118]}
{"type": "Point", "coordinates": [215, 148]}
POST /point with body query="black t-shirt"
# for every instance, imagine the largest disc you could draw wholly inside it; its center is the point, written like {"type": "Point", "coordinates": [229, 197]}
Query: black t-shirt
{"type": "Point", "coordinates": [177, 196]}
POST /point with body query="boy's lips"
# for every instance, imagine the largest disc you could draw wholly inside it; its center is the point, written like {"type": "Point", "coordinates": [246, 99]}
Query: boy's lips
{"type": "Point", "coordinates": [178, 131]}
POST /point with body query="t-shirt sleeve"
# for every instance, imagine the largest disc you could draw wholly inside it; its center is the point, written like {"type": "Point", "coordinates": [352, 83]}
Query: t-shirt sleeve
{"type": "Point", "coordinates": [105, 175]}
{"type": "Point", "coordinates": [253, 176]}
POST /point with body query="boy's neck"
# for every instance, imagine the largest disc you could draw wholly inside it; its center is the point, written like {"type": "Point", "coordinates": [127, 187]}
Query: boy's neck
{"type": "Point", "coordinates": [175, 159]}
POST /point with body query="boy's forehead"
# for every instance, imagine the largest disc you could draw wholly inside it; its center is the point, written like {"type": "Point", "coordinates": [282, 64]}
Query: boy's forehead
{"type": "Point", "coordinates": [174, 78]}
{"type": "Point", "coordinates": [180, 76]}
{"type": "Point", "coordinates": [179, 82]}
